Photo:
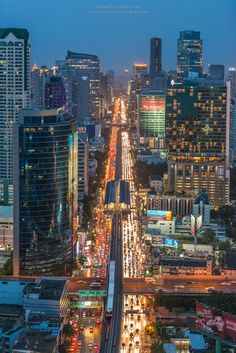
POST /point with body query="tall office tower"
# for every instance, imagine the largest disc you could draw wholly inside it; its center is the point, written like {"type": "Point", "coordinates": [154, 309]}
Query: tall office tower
{"type": "Point", "coordinates": [14, 95]}
{"type": "Point", "coordinates": [232, 79]}
{"type": "Point", "coordinates": [54, 93]}
{"type": "Point", "coordinates": [155, 56]}
{"type": "Point", "coordinates": [189, 54]}
{"type": "Point", "coordinates": [197, 137]}
{"type": "Point", "coordinates": [38, 80]}
{"type": "Point", "coordinates": [151, 119]}
{"type": "Point", "coordinates": [46, 191]}
{"type": "Point", "coordinates": [140, 69]}
{"type": "Point", "coordinates": [216, 72]}
{"type": "Point", "coordinates": [83, 158]}
{"type": "Point", "coordinates": [83, 75]}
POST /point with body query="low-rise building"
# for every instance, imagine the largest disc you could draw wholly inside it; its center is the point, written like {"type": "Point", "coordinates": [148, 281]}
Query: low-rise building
{"type": "Point", "coordinates": [6, 227]}
{"type": "Point", "coordinates": [36, 342]}
{"type": "Point", "coordinates": [179, 205]}
{"type": "Point", "coordinates": [155, 182]}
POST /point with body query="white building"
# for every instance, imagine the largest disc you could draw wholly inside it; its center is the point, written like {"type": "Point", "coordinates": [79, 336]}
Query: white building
{"type": "Point", "coordinates": [14, 95]}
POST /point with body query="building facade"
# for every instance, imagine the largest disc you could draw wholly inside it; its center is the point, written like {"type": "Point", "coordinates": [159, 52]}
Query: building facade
{"type": "Point", "coordinates": [155, 56]}
{"type": "Point", "coordinates": [189, 53]}
{"type": "Point", "coordinates": [83, 157]}
{"type": "Point", "coordinates": [54, 93]}
{"type": "Point", "coordinates": [83, 77]}
{"type": "Point", "coordinates": [151, 119]}
{"type": "Point", "coordinates": [197, 135]}
{"type": "Point", "coordinates": [14, 95]}
{"type": "Point", "coordinates": [46, 191]}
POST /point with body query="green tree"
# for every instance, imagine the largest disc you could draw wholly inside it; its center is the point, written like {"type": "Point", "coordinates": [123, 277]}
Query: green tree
{"type": "Point", "coordinates": [224, 245]}
{"type": "Point", "coordinates": [82, 258]}
{"type": "Point", "coordinates": [157, 348]}
{"type": "Point", "coordinates": [68, 330]}
{"type": "Point", "coordinates": [209, 236]}
{"type": "Point", "coordinates": [150, 329]}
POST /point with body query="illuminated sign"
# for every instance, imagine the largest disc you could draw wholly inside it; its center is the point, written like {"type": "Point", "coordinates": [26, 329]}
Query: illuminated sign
{"type": "Point", "coordinates": [196, 225]}
{"type": "Point", "coordinates": [152, 104]}
{"type": "Point", "coordinates": [216, 322]}
{"type": "Point", "coordinates": [171, 242]}
{"type": "Point", "coordinates": [159, 215]}
{"type": "Point", "coordinates": [101, 293]}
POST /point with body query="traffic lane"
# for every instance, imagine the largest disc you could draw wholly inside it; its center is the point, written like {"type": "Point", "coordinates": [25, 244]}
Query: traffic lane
{"type": "Point", "coordinates": [90, 332]}
{"type": "Point", "coordinates": [163, 289]}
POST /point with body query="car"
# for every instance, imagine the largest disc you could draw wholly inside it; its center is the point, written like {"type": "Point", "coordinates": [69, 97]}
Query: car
{"type": "Point", "coordinates": [98, 321]}
{"type": "Point", "coordinates": [79, 343]}
{"type": "Point", "coordinates": [81, 327]}
{"type": "Point", "coordinates": [91, 330]}
{"type": "Point", "coordinates": [90, 344]}
{"type": "Point", "coordinates": [210, 290]}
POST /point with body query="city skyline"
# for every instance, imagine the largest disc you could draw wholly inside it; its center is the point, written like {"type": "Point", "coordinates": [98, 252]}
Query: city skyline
{"type": "Point", "coordinates": [91, 27]}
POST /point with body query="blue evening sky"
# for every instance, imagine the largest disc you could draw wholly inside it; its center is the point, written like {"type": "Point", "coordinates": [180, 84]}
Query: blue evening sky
{"type": "Point", "coordinates": [118, 31]}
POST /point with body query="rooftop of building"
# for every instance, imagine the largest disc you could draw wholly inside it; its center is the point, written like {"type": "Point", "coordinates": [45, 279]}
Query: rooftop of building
{"type": "Point", "coordinates": [6, 212]}
{"type": "Point", "coordinates": [202, 197]}
{"type": "Point", "coordinates": [6, 325]}
{"type": "Point", "coordinates": [36, 341]}
{"type": "Point", "coordinates": [71, 54]}
{"type": "Point", "coordinates": [155, 177]}
{"type": "Point", "coordinates": [47, 289]}
{"type": "Point", "coordinates": [35, 318]}
{"type": "Point", "coordinates": [10, 310]}
{"type": "Point", "coordinates": [20, 33]}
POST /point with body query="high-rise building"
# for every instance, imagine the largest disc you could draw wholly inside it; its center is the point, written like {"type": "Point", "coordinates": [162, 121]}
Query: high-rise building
{"type": "Point", "coordinates": [14, 95]}
{"type": "Point", "coordinates": [83, 77]}
{"type": "Point", "coordinates": [151, 119]}
{"type": "Point", "coordinates": [46, 191]}
{"type": "Point", "coordinates": [197, 137]}
{"type": "Point", "coordinates": [54, 93]}
{"type": "Point", "coordinates": [155, 56]}
{"type": "Point", "coordinates": [189, 54]}
{"type": "Point", "coordinates": [232, 79]}
{"type": "Point", "coordinates": [82, 163]}
{"type": "Point", "coordinates": [216, 72]}
{"type": "Point", "coordinates": [38, 80]}
{"type": "Point", "coordinates": [140, 69]}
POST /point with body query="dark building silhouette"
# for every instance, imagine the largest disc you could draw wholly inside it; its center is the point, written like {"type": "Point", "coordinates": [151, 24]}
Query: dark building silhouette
{"type": "Point", "coordinates": [54, 93]}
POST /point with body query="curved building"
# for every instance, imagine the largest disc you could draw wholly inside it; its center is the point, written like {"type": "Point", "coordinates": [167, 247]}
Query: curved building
{"type": "Point", "coordinates": [46, 182]}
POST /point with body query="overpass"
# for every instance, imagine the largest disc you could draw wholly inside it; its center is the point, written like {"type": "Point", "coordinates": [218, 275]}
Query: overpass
{"type": "Point", "coordinates": [185, 285]}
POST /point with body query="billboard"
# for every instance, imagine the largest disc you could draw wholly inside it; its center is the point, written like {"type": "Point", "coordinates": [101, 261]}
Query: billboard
{"type": "Point", "coordinates": [171, 242]}
{"type": "Point", "coordinates": [156, 104]}
{"type": "Point", "coordinates": [196, 225]}
{"type": "Point", "coordinates": [156, 215]}
{"type": "Point", "coordinates": [211, 320]}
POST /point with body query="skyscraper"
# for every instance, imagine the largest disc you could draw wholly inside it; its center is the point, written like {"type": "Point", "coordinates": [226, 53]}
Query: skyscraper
{"type": "Point", "coordinates": [189, 54]}
{"type": "Point", "coordinates": [197, 136]}
{"type": "Point", "coordinates": [46, 191]}
{"type": "Point", "coordinates": [83, 155]}
{"type": "Point", "coordinates": [38, 80]}
{"type": "Point", "coordinates": [83, 76]}
{"type": "Point", "coordinates": [155, 56]}
{"type": "Point", "coordinates": [216, 72]}
{"type": "Point", "coordinates": [54, 93]}
{"type": "Point", "coordinates": [14, 95]}
{"type": "Point", "coordinates": [151, 119]}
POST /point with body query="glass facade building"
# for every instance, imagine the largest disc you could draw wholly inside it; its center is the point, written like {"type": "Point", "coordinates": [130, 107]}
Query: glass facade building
{"type": "Point", "coordinates": [197, 137]}
{"type": "Point", "coordinates": [46, 191]}
{"type": "Point", "coordinates": [189, 53]}
{"type": "Point", "coordinates": [155, 56]}
{"type": "Point", "coordinates": [151, 119]}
